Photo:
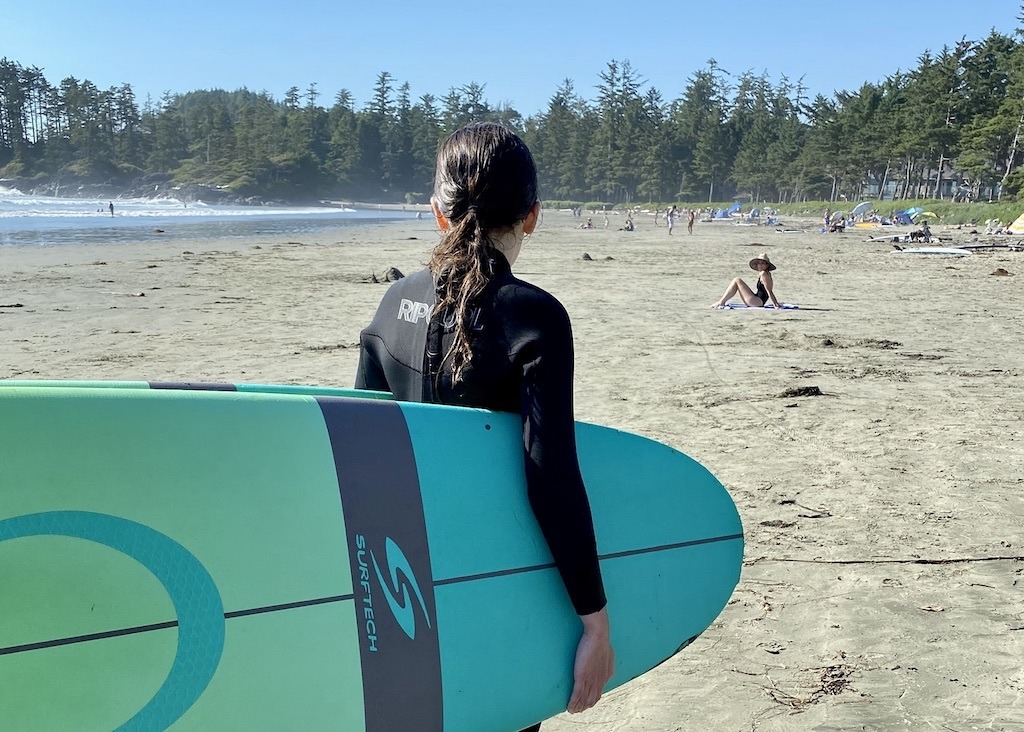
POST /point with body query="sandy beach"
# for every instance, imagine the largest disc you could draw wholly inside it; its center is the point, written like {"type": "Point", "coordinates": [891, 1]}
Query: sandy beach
{"type": "Point", "coordinates": [883, 586]}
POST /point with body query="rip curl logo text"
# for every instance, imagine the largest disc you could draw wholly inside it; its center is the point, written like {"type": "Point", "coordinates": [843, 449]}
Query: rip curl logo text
{"type": "Point", "coordinates": [396, 583]}
{"type": "Point", "coordinates": [413, 312]}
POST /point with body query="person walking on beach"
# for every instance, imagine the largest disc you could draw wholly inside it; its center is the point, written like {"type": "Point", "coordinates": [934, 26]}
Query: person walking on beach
{"type": "Point", "coordinates": [753, 298]}
{"type": "Point", "coordinates": [111, 207]}
{"type": "Point", "coordinates": [493, 341]}
{"type": "Point", "coordinates": [690, 216]}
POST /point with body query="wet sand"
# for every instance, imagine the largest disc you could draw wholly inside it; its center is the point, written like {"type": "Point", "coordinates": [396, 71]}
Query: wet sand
{"type": "Point", "coordinates": [880, 589]}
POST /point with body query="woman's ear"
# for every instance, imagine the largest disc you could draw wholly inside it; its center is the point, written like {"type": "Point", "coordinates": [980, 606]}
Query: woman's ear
{"type": "Point", "coordinates": [442, 222]}
{"type": "Point", "coordinates": [530, 222]}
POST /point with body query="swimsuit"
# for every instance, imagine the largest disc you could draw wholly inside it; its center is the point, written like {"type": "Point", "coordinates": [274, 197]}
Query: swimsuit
{"type": "Point", "coordinates": [762, 292]}
{"type": "Point", "coordinates": [523, 363]}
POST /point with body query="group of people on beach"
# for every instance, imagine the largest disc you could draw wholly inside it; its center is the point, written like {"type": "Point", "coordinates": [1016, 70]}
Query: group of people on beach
{"type": "Point", "coordinates": [833, 223]}
{"type": "Point", "coordinates": [672, 213]}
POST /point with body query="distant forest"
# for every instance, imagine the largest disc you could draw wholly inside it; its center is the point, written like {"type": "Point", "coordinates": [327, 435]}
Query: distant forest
{"type": "Point", "coordinates": [950, 128]}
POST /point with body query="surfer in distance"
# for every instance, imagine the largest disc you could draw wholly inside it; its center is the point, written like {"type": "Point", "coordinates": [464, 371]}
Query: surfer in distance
{"type": "Point", "coordinates": [765, 286]}
{"type": "Point", "coordinates": [484, 338]}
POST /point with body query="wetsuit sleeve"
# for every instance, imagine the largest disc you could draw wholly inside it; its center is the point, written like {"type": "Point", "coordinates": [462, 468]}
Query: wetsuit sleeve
{"type": "Point", "coordinates": [554, 484]}
{"type": "Point", "coordinates": [369, 373]}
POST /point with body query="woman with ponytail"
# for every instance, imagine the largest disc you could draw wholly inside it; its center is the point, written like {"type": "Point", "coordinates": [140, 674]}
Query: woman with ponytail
{"type": "Point", "coordinates": [465, 331]}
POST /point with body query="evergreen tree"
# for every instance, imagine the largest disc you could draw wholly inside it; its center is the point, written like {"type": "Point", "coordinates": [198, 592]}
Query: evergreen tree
{"type": "Point", "coordinates": [168, 136]}
{"type": "Point", "coordinates": [343, 152]}
{"type": "Point", "coordinates": [757, 130]}
{"type": "Point", "coordinates": [425, 121]}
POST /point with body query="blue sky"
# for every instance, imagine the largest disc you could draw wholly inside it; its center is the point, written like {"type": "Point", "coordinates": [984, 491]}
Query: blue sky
{"type": "Point", "coordinates": [521, 51]}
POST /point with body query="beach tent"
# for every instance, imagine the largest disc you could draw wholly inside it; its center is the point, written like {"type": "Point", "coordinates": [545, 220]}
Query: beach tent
{"type": "Point", "coordinates": [1017, 227]}
{"type": "Point", "coordinates": [732, 209]}
{"type": "Point", "coordinates": [902, 217]}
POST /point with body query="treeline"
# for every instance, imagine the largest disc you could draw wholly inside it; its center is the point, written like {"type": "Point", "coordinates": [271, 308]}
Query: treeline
{"type": "Point", "coordinates": [950, 128]}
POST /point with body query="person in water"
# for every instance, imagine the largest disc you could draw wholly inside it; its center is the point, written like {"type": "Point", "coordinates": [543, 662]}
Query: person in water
{"type": "Point", "coordinates": [477, 336]}
{"type": "Point", "coordinates": [756, 298]}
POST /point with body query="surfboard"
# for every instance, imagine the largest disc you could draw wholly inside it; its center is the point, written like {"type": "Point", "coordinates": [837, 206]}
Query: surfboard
{"type": "Point", "coordinates": [233, 558]}
{"type": "Point", "coordinates": [989, 247]}
{"type": "Point", "coordinates": [949, 251]}
{"type": "Point", "coordinates": [300, 390]}
{"type": "Point", "coordinates": [892, 238]}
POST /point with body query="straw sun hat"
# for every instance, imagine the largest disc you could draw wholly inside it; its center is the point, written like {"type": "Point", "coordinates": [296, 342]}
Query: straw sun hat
{"type": "Point", "coordinates": [762, 258]}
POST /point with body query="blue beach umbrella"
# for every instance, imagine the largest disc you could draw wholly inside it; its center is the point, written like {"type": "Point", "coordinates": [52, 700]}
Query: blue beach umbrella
{"type": "Point", "coordinates": [861, 208]}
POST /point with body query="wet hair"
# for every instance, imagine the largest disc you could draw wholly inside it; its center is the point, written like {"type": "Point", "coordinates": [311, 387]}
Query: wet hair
{"type": "Point", "coordinates": [485, 183]}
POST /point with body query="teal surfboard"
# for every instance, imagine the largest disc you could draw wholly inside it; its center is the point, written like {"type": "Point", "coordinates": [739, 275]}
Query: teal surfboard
{"type": "Point", "coordinates": [237, 557]}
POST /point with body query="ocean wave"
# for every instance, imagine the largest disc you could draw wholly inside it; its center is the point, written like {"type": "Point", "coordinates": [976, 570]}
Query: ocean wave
{"type": "Point", "coordinates": [14, 204]}
{"type": "Point", "coordinates": [46, 221]}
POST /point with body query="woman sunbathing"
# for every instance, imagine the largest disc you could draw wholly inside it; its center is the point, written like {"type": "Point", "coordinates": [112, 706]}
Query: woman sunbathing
{"type": "Point", "coordinates": [753, 298]}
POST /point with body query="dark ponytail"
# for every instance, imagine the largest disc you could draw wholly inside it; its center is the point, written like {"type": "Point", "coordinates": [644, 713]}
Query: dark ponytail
{"type": "Point", "coordinates": [486, 183]}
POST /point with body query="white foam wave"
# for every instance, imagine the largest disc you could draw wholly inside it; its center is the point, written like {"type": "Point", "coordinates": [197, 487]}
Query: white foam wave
{"type": "Point", "coordinates": [14, 204]}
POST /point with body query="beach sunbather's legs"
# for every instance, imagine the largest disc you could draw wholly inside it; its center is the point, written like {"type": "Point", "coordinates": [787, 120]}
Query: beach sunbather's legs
{"type": "Point", "coordinates": [739, 286]}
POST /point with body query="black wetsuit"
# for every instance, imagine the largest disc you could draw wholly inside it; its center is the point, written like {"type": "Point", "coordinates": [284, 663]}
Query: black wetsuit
{"type": "Point", "coordinates": [522, 362]}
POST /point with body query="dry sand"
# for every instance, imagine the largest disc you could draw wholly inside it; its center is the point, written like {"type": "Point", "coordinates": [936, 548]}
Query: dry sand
{"type": "Point", "coordinates": [915, 450]}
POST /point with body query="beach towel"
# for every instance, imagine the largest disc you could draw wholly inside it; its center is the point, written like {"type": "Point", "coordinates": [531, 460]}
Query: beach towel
{"type": "Point", "coordinates": [769, 306]}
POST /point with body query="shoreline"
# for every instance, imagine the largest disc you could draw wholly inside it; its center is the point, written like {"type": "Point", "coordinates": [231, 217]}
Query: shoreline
{"type": "Point", "coordinates": [912, 453]}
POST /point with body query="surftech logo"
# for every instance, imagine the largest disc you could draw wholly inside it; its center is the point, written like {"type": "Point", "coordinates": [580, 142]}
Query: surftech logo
{"type": "Point", "coordinates": [396, 583]}
{"type": "Point", "coordinates": [401, 609]}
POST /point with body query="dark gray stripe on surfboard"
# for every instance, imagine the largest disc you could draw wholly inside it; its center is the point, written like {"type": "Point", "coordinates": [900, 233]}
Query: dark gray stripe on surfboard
{"type": "Point", "coordinates": [602, 557]}
{"type": "Point", "coordinates": [71, 640]}
{"type": "Point", "coordinates": [669, 547]}
{"type": "Point", "coordinates": [396, 620]}
{"type": "Point", "coordinates": [88, 637]}
{"type": "Point", "coordinates": [192, 386]}
{"type": "Point", "coordinates": [287, 606]}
